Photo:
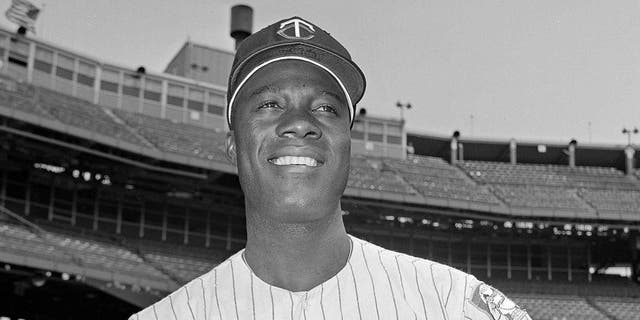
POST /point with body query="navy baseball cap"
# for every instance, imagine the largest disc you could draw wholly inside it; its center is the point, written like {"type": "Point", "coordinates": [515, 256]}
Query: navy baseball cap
{"type": "Point", "coordinates": [295, 39]}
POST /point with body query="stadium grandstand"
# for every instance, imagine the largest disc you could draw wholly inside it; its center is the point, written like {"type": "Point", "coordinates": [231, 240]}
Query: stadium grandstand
{"type": "Point", "coordinates": [115, 190]}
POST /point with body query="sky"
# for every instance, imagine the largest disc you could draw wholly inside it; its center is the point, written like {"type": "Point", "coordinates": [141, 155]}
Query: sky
{"type": "Point", "coordinates": [543, 70]}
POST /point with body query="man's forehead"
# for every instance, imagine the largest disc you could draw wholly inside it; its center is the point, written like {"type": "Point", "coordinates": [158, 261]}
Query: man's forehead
{"type": "Point", "coordinates": [270, 88]}
{"type": "Point", "coordinates": [276, 89]}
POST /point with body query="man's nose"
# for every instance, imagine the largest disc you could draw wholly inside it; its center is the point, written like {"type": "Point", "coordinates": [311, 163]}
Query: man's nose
{"type": "Point", "coordinates": [298, 123]}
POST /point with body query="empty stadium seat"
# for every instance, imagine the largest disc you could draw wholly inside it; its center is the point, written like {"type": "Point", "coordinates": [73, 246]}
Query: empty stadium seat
{"type": "Point", "coordinates": [557, 307]}
{"type": "Point", "coordinates": [548, 175]}
{"type": "Point", "coordinates": [435, 178]}
{"type": "Point", "coordinates": [372, 175]}
{"type": "Point", "coordinates": [582, 189]}
{"type": "Point", "coordinates": [169, 136]}
{"type": "Point", "coordinates": [22, 98]}
{"type": "Point", "coordinates": [620, 308]}
{"type": "Point", "coordinates": [85, 115]}
{"type": "Point", "coordinates": [99, 253]}
{"type": "Point", "coordinates": [183, 262]}
{"type": "Point", "coordinates": [534, 196]}
{"type": "Point", "coordinates": [608, 200]}
{"type": "Point", "coordinates": [20, 240]}
{"type": "Point", "coordinates": [185, 269]}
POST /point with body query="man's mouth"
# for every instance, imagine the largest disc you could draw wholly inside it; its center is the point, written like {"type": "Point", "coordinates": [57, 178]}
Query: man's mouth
{"type": "Point", "coordinates": [295, 161]}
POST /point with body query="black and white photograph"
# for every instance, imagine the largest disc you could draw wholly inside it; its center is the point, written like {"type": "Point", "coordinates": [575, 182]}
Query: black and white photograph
{"type": "Point", "coordinates": [319, 160]}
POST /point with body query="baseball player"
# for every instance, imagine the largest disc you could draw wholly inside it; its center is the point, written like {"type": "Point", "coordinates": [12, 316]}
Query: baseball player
{"type": "Point", "coordinates": [291, 103]}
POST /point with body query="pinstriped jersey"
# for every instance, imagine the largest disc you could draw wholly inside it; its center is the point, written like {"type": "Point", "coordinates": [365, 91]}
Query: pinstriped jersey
{"type": "Point", "coordinates": [374, 284]}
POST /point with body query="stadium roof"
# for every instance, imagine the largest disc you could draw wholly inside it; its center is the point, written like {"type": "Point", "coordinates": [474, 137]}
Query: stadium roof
{"type": "Point", "coordinates": [587, 154]}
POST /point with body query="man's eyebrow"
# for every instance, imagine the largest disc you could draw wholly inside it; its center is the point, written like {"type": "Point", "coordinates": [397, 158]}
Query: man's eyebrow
{"type": "Point", "coordinates": [334, 95]}
{"type": "Point", "coordinates": [264, 89]}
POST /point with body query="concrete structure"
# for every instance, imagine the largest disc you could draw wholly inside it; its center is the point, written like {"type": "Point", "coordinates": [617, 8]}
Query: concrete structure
{"type": "Point", "coordinates": [202, 63]}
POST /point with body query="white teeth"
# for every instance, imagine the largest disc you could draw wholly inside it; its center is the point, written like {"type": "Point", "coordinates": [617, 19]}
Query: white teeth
{"type": "Point", "coordinates": [292, 160]}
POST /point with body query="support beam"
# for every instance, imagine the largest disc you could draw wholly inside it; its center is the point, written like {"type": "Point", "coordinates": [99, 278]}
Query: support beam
{"type": "Point", "coordinates": [3, 188]}
{"type": "Point", "coordinates": [572, 153]}
{"type": "Point", "coordinates": [489, 260]}
{"type": "Point", "coordinates": [635, 260]}
{"type": "Point", "coordinates": [30, 61]}
{"type": "Point", "coordinates": [629, 153]}
{"type": "Point", "coordinates": [228, 246]}
{"type": "Point", "coordinates": [74, 205]}
{"type": "Point", "coordinates": [454, 149]}
{"type": "Point", "coordinates": [411, 243]}
{"type": "Point", "coordinates": [589, 262]}
{"type": "Point", "coordinates": [513, 151]}
{"type": "Point", "coordinates": [74, 81]}
{"type": "Point", "coordinates": [96, 210]}
{"type": "Point", "coordinates": [164, 222]}
{"type": "Point", "coordinates": [509, 261]}
{"type": "Point", "coordinates": [143, 211]}
{"type": "Point", "coordinates": [143, 84]}
{"type": "Point", "coordinates": [430, 248]}
{"type": "Point", "coordinates": [549, 266]}
{"type": "Point", "coordinates": [186, 227]}
{"type": "Point", "coordinates": [119, 216]}
{"type": "Point", "coordinates": [529, 273]}
{"type": "Point", "coordinates": [207, 241]}
{"type": "Point", "coordinates": [52, 200]}
{"type": "Point", "coordinates": [449, 253]}
{"type": "Point", "coordinates": [468, 257]}
{"type": "Point", "coordinates": [163, 99]}
{"type": "Point", "coordinates": [569, 265]}
{"type": "Point", "coordinates": [27, 197]}
{"type": "Point", "coordinates": [96, 85]}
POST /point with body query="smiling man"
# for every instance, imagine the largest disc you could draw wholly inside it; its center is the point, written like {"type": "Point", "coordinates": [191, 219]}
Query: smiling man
{"type": "Point", "coordinates": [291, 103]}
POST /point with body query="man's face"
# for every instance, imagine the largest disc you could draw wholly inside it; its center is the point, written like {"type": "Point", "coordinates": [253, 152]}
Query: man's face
{"type": "Point", "coordinates": [291, 141]}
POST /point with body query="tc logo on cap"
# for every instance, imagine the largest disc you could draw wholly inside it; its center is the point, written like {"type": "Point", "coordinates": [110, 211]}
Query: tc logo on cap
{"type": "Point", "coordinates": [296, 29]}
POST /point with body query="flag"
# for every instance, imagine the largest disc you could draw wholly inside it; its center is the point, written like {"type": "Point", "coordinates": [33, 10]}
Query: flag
{"type": "Point", "coordinates": [23, 13]}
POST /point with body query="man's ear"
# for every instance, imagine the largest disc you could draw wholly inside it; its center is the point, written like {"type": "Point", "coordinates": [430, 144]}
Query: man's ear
{"type": "Point", "coordinates": [230, 147]}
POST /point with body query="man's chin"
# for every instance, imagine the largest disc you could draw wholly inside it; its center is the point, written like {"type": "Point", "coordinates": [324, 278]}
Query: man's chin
{"type": "Point", "coordinates": [301, 199]}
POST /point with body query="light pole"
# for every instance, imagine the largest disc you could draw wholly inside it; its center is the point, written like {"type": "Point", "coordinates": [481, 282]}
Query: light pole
{"type": "Point", "coordinates": [403, 106]}
{"type": "Point", "coordinates": [629, 132]}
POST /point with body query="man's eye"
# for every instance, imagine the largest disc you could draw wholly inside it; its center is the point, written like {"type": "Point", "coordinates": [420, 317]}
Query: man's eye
{"type": "Point", "coordinates": [269, 105]}
{"type": "Point", "coordinates": [326, 108]}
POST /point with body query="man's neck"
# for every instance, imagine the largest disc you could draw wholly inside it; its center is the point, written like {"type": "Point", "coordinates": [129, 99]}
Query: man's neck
{"type": "Point", "coordinates": [299, 256]}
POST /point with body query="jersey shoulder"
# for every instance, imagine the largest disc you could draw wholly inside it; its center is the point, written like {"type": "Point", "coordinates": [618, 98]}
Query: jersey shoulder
{"type": "Point", "coordinates": [430, 280]}
{"type": "Point", "coordinates": [187, 302]}
{"type": "Point", "coordinates": [438, 271]}
{"type": "Point", "coordinates": [462, 294]}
